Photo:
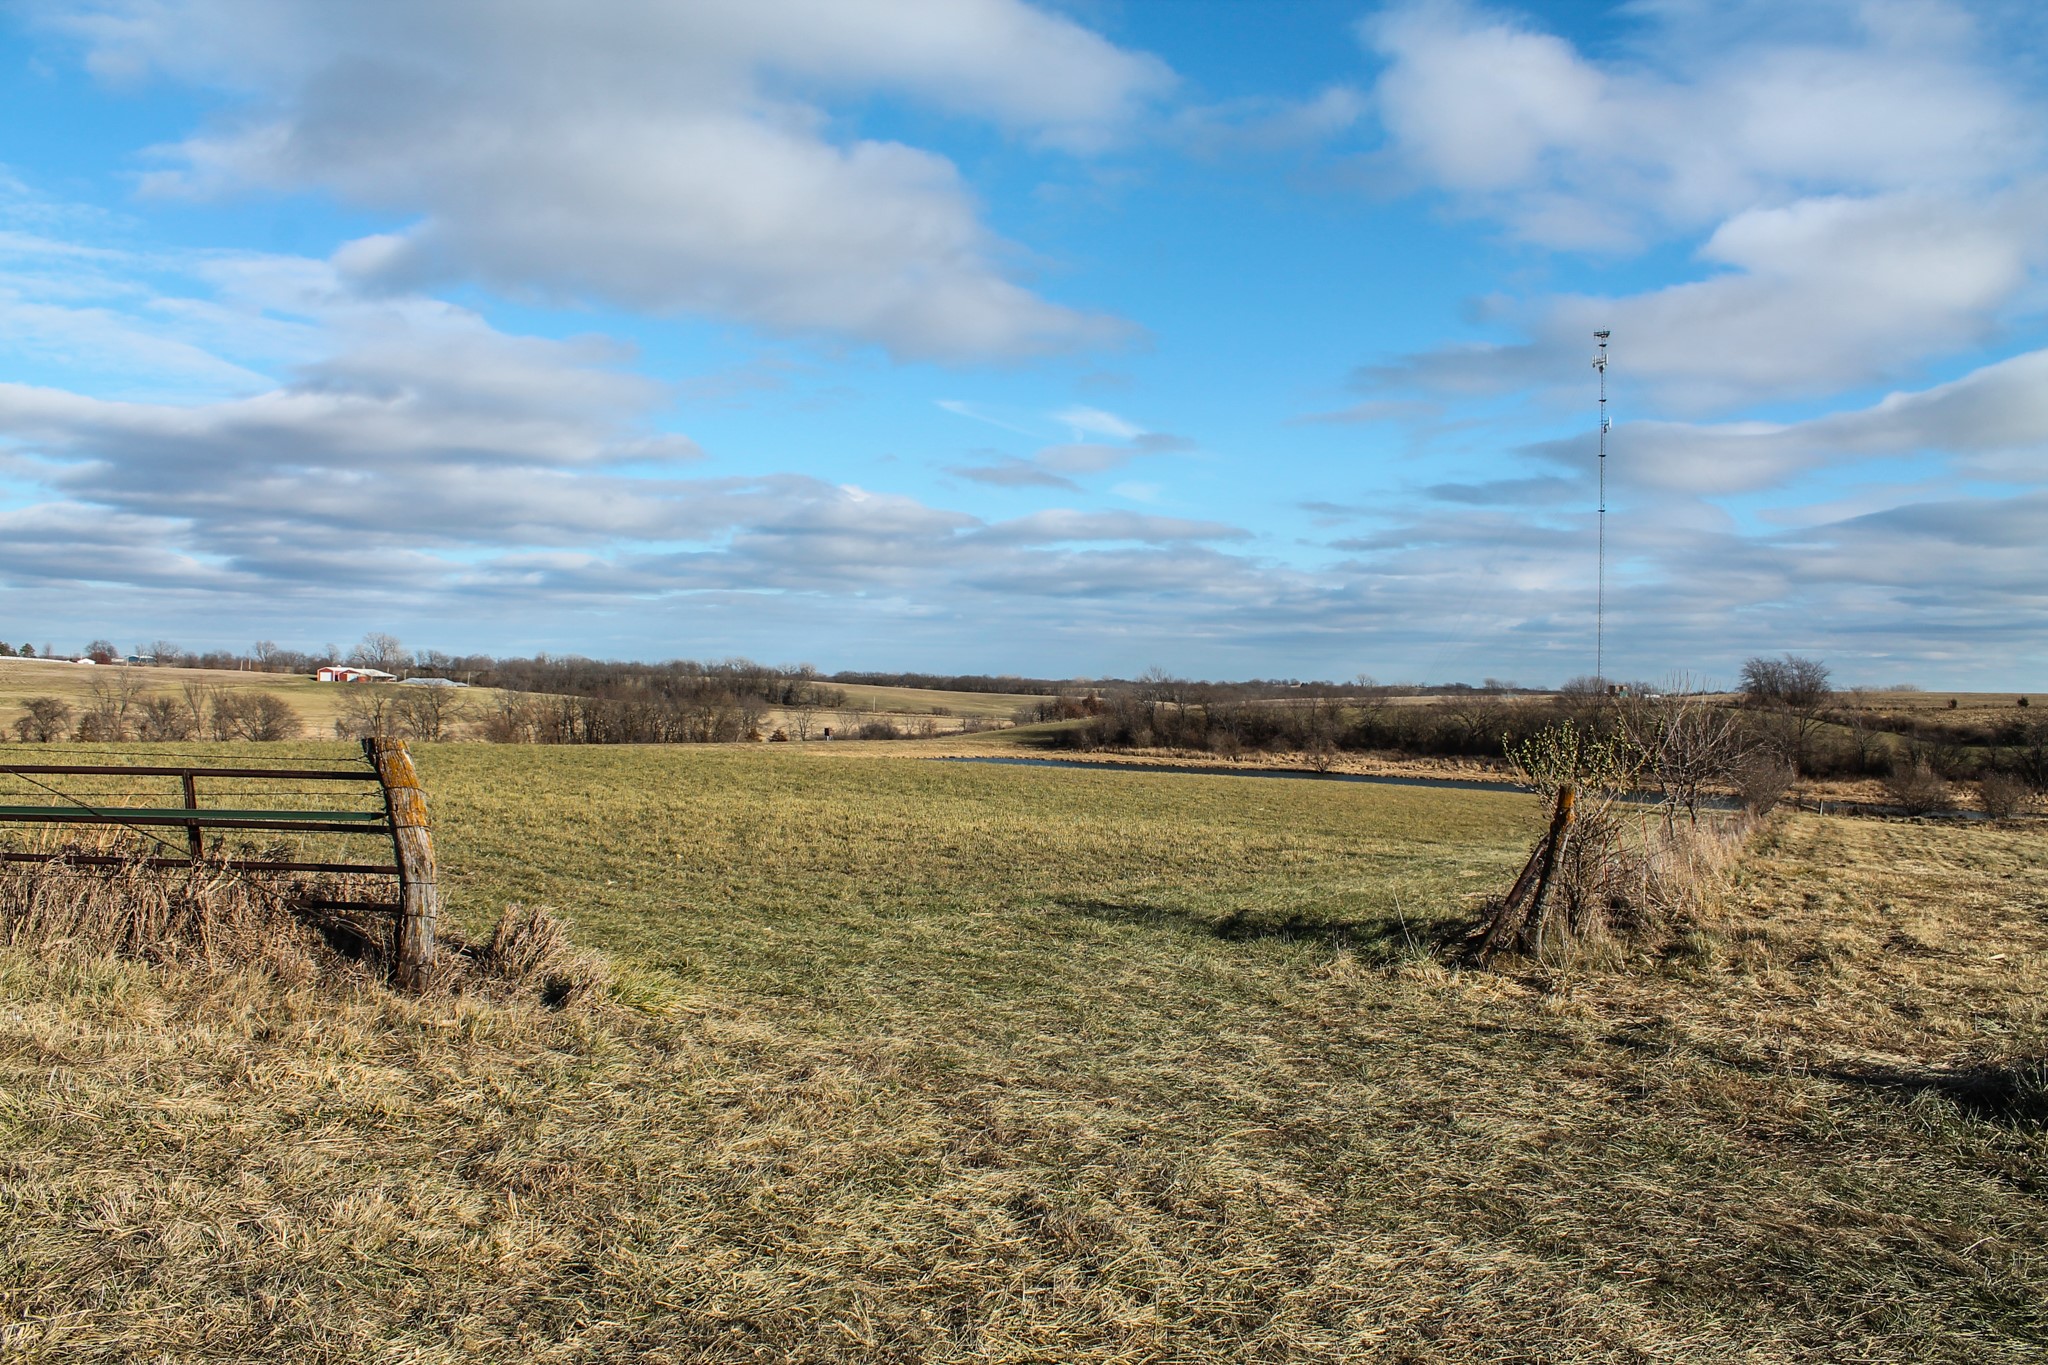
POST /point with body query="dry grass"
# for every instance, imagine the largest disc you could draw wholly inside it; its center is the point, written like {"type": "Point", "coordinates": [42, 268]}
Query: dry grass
{"type": "Point", "coordinates": [317, 704]}
{"type": "Point", "coordinates": [952, 1066]}
{"type": "Point", "coordinates": [320, 705]}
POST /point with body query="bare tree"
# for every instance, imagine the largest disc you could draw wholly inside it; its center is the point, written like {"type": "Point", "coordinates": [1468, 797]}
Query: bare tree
{"type": "Point", "coordinates": [45, 719]}
{"type": "Point", "coordinates": [163, 717]}
{"type": "Point", "coordinates": [1792, 692]}
{"type": "Point", "coordinates": [429, 713]}
{"type": "Point", "coordinates": [379, 650]}
{"type": "Point", "coordinates": [1688, 744]}
{"type": "Point", "coordinates": [200, 699]}
{"type": "Point", "coordinates": [367, 712]}
{"type": "Point", "coordinates": [109, 700]}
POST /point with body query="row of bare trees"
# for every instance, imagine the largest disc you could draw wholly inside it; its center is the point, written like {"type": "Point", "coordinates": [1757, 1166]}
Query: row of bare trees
{"type": "Point", "coordinates": [118, 708]}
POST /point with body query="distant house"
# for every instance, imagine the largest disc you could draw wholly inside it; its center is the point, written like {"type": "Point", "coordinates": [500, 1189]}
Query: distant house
{"type": "Point", "coordinates": [139, 659]}
{"type": "Point", "coordinates": [346, 674]}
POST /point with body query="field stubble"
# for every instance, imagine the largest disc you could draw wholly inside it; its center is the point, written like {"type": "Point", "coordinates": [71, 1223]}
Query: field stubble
{"type": "Point", "coordinates": [941, 1063]}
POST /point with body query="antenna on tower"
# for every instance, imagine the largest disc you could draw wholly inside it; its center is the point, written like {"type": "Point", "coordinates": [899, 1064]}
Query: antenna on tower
{"type": "Point", "coordinates": [1600, 601]}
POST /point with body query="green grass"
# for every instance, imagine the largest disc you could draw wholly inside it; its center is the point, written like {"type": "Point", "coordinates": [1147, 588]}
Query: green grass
{"type": "Point", "coordinates": [790, 866]}
{"type": "Point", "coordinates": [951, 1063]}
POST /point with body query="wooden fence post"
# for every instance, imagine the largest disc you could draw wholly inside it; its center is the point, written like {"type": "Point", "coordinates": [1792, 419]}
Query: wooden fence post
{"type": "Point", "coordinates": [419, 895]}
{"type": "Point", "coordinates": [1520, 917]}
{"type": "Point", "coordinates": [1560, 831]}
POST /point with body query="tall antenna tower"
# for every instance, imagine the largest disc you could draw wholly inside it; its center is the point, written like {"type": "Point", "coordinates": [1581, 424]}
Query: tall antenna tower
{"type": "Point", "coordinates": [1600, 601]}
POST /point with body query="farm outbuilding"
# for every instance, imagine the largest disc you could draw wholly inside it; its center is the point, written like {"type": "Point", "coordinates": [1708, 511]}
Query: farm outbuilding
{"type": "Point", "coordinates": [345, 674]}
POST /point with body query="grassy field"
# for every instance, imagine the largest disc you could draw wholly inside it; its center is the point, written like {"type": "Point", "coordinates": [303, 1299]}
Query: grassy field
{"type": "Point", "coordinates": [936, 1062]}
{"type": "Point", "coordinates": [319, 704]}
{"type": "Point", "coordinates": [924, 700]}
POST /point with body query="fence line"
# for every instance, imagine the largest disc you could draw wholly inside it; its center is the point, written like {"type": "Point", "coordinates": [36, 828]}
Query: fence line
{"type": "Point", "coordinates": [402, 819]}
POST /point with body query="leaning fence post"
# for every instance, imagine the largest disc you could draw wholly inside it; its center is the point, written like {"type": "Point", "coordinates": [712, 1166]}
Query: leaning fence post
{"type": "Point", "coordinates": [419, 897]}
{"type": "Point", "coordinates": [1560, 831]}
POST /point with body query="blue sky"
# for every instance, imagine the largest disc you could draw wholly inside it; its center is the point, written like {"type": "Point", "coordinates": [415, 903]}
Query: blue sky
{"type": "Point", "coordinates": [1061, 339]}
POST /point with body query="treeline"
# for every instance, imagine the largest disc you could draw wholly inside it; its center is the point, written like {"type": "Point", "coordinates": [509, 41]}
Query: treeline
{"type": "Point", "coordinates": [117, 709]}
{"type": "Point", "coordinates": [669, 715]}
{"type": "Point", "coordinates": [959, 682]}
{"type": "Point", "coordinates": [1794, 716]}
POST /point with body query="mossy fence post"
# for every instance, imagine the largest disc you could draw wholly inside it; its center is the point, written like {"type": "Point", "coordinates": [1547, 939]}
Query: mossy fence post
{"type": "Point", "coordinates": [419, 895]}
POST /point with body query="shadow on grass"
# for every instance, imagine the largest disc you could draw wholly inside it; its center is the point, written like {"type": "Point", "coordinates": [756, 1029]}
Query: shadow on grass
{"type": "Point", "coordinates": [2013, 1092]}
{"type": "Point", "coordinates": [2008, 1092]}
{"type": "Point", "coordinates": [1382, 937]}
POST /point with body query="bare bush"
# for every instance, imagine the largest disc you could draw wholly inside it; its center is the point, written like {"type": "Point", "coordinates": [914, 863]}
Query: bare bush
{"type": "Point", "coordinates": [109, 706]}
{"type": "Point", "coordinates": [1762, 781]}
{"type": "Point", "coordinates": [270, 718]}
{"type": "Point", "coordinates": [163, 718]}
{"type": "Point", "coordinates": [516, 721]}
{"type": "Point", "coordinates": [1689, 746]}
{"type": "Point", "coordinates": [43, 720]}
{"type": "Point", "coordinates": [232, 714]}
{"type": "Point", "coordinates": [2003, 795]}
{"type": "Point", "coordinates": [1916, 788]}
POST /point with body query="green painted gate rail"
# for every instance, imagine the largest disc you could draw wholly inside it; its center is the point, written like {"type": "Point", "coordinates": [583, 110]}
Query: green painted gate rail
{"type": "Point", "coordinates": [403, 821]}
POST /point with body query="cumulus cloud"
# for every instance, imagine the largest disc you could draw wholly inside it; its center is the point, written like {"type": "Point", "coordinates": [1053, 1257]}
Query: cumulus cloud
{"type": "Point", "coordinates": [1870, 189]}
{"type": "Point", "coordinates": [1991, 424]}
{"type": "Point", "coordinates": [1815, 296]}
{"type": "Point", "coordinates": [671, 158]}
{"type": "Point", "coordinates": [1685, 127]}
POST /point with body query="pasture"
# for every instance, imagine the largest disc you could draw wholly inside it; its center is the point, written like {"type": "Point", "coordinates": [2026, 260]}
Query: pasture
{"type": "Point", "coordinates": [939, 1062]}
{"type": "Point", "coordinates": [319, 705]}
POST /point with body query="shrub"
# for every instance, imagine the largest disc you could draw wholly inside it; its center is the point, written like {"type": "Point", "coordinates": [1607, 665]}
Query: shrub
{"type": "Point", "coordinates": [2002, 795]}
{"type": "Point", "coordinates": [1761, 782]}
{"type": "Point", "coordinates": [1917, 789]}
{"type": "Point", "coordinates": [44, 719]}
{"type": "Point", "coordinates": [878, 729]}
{"type": "Point", "coordinates": [160, 718]}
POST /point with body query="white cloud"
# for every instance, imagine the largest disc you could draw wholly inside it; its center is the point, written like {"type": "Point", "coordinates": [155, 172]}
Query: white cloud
{"type": "Point", "coordinates": [1990, 424]}
{"type": "Point", "coordinates": [1066, 524]}
{"type": "Point", "coordinates": [1869, 185]}
{"type": "Point", "coordinates": [671, 158]}
{"type": "Point", "coordinates": [1702, 116]}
